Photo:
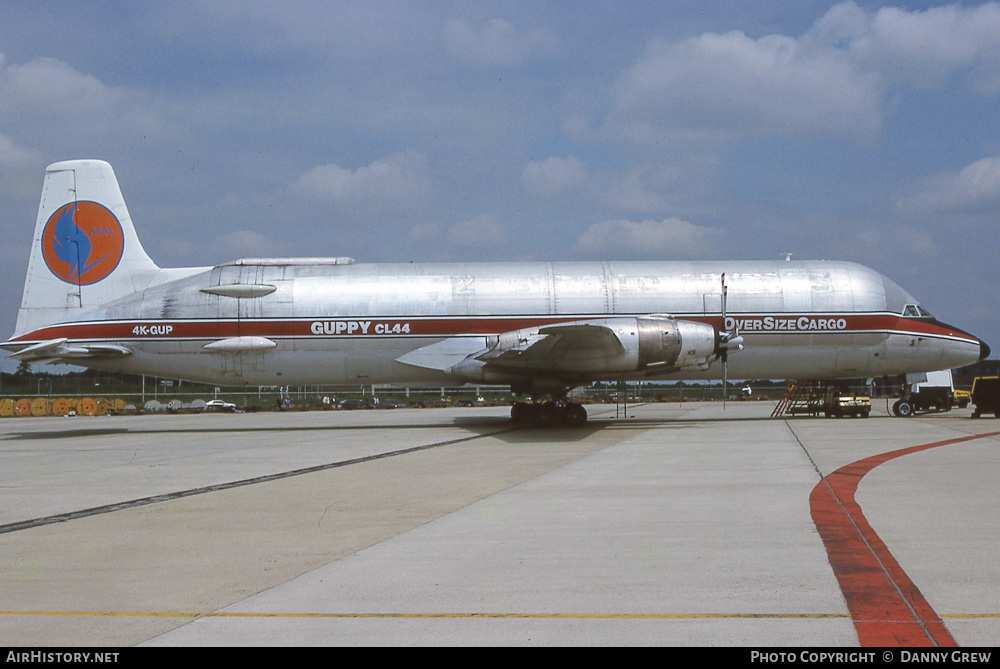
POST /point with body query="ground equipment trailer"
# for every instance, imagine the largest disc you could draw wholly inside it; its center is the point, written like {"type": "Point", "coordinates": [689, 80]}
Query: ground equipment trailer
{"type": "Point", "coordinates": [986, 396]}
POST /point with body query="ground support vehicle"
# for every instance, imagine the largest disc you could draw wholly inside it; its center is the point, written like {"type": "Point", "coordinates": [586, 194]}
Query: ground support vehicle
{"type": "Point", "coordinates": [939, 398]}
{"type": "Point", "coordinates": [961, 398]}
{"type": "Point", "coordinates": [986, 396]}
{"type": "Point", "coordinates": [838, 404]}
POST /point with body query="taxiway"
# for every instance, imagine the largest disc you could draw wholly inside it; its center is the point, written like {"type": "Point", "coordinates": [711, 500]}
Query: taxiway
{"type": "Point", "coordinates": [681, 524]}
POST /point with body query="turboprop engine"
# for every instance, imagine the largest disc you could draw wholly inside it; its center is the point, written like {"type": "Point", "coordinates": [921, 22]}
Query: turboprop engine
{"type": "Point", "coordinates": [672, 344]}
{"type": "Point", "coordinates": [595, 349]}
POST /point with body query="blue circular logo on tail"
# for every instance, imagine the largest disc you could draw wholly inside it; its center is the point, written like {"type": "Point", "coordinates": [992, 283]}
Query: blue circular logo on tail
{"type": "Point", "coordinates": [82, 243]}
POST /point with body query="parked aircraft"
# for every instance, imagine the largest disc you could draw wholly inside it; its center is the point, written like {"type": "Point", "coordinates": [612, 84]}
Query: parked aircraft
{"type": "Point", "coordinates": [92, 297]}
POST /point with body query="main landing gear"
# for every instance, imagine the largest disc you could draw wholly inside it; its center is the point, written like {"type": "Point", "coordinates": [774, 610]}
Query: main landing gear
{"type": "Point", "coordinates": [548, 414]}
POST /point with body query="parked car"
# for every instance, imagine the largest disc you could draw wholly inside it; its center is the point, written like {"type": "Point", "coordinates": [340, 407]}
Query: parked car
{"type": "Point", "coordinates": [220, 405]}
{"type": "Point", "coordinates": [354, 404]}
{"type": "Point", "coordinates": [391, 404]}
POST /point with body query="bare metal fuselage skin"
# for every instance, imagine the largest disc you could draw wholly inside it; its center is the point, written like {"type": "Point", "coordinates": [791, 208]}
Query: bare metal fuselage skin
{"type": "Point", "coordinates": [288, 322]}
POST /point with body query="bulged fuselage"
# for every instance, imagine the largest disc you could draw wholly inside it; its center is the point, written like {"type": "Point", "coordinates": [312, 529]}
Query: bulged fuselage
{"type": "Point", "coordinates": [93, 297]}
{"type": "Point", "coordinates": [287, 321]}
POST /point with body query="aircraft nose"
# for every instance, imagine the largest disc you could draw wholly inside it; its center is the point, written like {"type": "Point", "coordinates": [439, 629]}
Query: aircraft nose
{"type": "Point", "coordinates": [984, 348]}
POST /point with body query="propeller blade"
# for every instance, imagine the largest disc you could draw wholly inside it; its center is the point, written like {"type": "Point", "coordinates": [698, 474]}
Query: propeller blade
{"type": "Point", "coordinates": [724, 350]}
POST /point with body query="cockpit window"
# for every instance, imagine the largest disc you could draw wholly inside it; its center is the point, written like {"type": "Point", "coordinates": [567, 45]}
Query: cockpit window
{"type": "Point", "coordinates": [916, 311]}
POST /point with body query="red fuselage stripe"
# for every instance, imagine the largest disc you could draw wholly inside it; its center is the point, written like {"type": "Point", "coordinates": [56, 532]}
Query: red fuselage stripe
{"type": "Point", "coordinates": [452, 326]}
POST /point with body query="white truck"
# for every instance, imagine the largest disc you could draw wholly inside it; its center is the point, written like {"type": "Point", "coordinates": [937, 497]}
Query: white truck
{"type": "Point", "coordinates": [932, 391]}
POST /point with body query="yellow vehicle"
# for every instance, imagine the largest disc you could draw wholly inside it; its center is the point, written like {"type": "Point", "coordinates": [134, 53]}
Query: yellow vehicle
{"type": "Point", "coordinates": [839, 403]}
{"type": "Point", "coordinates": [962, 398]}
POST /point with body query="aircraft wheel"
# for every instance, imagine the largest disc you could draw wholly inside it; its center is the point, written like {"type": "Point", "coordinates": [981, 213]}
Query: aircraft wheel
{"type": "Point", "coordinates": [521, 412]}
{"type": "Point", "coordinates": [575, 415]}
{"type": "Point", "coordinates": [545, 415]}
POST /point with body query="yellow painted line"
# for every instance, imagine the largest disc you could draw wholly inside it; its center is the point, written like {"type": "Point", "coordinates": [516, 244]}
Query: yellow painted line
{"type": "Point", "coordinates": [537, 616]}
{"type": "Point", "coordinates": [610, 616]}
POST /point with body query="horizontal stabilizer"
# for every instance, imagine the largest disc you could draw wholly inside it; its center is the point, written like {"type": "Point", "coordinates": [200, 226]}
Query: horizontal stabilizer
{"type": "Point", "coordinates": [59, 350]}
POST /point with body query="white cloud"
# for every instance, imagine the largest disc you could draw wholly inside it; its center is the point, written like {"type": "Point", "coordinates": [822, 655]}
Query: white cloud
{"type": "Point", "coordinates": [668, 239]}
{"type": "Point", "coordinates": [495, 42]}
{"type": "Point", "coordinates": [925, 47]}
{"type": "Point", "coordinates": [554, 175]}
{"type": "Point", "coordinates": [396, 182]}
{"type": "Point", "coordinates": [12, 154]}
{"type": "Point", "coordinates": [974, 188]}
{"type": "Point", "coordinates": [56, 105]}
{"type": "Point", "coordinates": [831, 81]}
{"type": "Point", "coordinates": [20, 170]}
{"type": "Point", "coordinates": [52, 87]}
{"type": "Point", "coordinates": [732, 84]}
{"type": "Point", "coordinates": [652, 189]}
{"type": "Point", "coordinates": [483, 233]}
{"type": "Point", "coordinates": [475, 239]}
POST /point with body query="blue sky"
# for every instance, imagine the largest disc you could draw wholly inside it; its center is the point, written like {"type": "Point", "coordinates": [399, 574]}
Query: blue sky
{"type": "Point", "coordinates": [398, 131]}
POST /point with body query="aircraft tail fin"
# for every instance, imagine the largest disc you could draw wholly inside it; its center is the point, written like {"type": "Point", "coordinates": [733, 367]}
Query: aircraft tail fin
{"type": "Point", "coordinates": [84, 250]}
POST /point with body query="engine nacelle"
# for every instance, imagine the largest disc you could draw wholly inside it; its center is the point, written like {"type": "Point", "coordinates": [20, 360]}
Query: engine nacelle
{"type": "Point", "coordinates": [674, 344]}
{"type": "Point", "coordinates": [594, 349]}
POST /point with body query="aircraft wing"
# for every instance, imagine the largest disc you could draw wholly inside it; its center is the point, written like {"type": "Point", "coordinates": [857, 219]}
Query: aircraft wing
{"type": "Point", "coordinates": [59, 350]}
{"type": "Point", "coordinates": [575, 350]}
{"type": "Point", "coordinates": [445, 354]}
{"type": "Point", "coordinates": [555, 346]}
{"type": "Point", "coordinates": [542, 348]}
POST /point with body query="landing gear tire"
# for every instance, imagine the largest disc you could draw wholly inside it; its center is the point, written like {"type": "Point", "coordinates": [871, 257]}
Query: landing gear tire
{"type": "Point", "coordinates": [903, 408]}
{"type": "Point", "coordinates": [545, 415]}
{"type": "Point", "coordinates": [574, 415]}
{"type": "Point", "coordinates": [521, 412]}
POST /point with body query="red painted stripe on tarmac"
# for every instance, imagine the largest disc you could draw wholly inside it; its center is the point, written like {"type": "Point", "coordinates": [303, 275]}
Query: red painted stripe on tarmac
{"type": "Point", "coordinates": [887, 607]}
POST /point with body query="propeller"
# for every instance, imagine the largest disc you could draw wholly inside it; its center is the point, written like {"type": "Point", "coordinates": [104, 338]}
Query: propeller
{"type": "Point", "coordinates": [728, 341]}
